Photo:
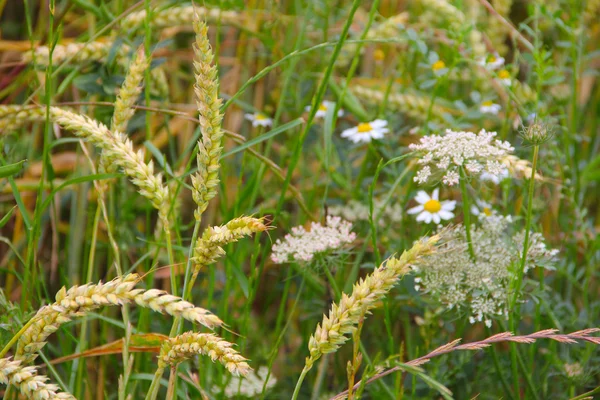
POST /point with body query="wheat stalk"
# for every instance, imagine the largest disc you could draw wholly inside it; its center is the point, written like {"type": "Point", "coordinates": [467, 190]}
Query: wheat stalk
{"type": "Point", "coordinates": [80, 300]}
{"type": "Point", "coordinates": [569, 338]}
{"type": "Point", "coordinates": [118, 150]}
{"type": "Point", "coordinates": [29, 383]}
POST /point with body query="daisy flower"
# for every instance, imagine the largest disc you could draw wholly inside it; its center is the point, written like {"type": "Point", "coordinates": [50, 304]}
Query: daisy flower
{"type": "Point", "coordinates": [431, 208]}
{"type": "Point", "coordinates": [491, 62]}
{"type": "Point", "coordinates": [439, 68]}
{"type": "Point", "coordinates": [366, 131]}
{"type": "Point", "coordinates": [322, 111]}
{"type": "Point", "coordinates": [504, 77]}
{"type": "Point", "coordinates": [489, 107]}
{"type": "Point", "coordinates": [258, 119]}
{"type": "Point", "coordinates": [482, 209]}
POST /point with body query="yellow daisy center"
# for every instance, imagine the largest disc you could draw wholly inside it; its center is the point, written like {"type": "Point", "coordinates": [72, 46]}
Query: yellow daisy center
{"type": "Point", "coordinates": [260, 117]}
{"type": "Point", "coordinates": [487, 211]}
{"type": "Point", "coordinates": [322, 107]}
{"type": "Point", "coordinates": [364, 127]}
{"type": "Point", "coordinates": [492, 59]}
{"type": "Point", "coordinates": [487, 103]}
{"type": "Point", "coordinates": [432, 206]}
{"type": "Point", "coordinates": [439, 64]}
{"type": "Point", "coordinates": [504, 74]}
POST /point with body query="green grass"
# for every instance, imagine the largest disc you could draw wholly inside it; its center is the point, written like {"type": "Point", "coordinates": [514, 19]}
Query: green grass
{"type": "Point", "coordinates": [278, 58]}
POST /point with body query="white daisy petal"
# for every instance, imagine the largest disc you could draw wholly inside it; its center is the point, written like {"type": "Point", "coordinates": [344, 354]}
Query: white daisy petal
{"type": "Point", "coordinates": [445, 214]}
{"type": "Point", "coordinates": [449, 205]}
{"type": "Point", "coordinates": [436, 194]}
{"type": "Point", "coordinates": [422, 197]}
{"type": "Point", "coordinates": [428, 217]}
{"type": "Point", "coordinates": [379, 123]}
{"type": "Point", "coordinates": [436, 218]}
{"type": "Point", "coordinates": [423, 216]}
{"type": "Point", "coordinates": [416, 209]}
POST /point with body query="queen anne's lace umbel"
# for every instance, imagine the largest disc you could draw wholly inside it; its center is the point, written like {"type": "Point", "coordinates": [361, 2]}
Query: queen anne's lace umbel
{"type": "Point", "coordinates": [479, 287]}
{"type": "Point", "coordinates": [448, 154]}
{"type": "Point", "coordinates": [302, 245]}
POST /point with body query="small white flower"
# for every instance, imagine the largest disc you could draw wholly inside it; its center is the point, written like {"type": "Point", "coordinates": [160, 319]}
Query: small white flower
{"type": "Point", "coordinates": [482, 209]}
{"type": "Point", "coordinates": [366, 131]}
{"type": "Point", "coordinates": [302, 245]}
{"type": "Point", "coordinates": [489, 107]}
{"type": "Point", "coordinates": [491, 62]}
{"type": "Point", "coordinates": [322, 111]}
{"type": "Point", "coordinates": [431, 208]}
{"type": "Point", "coordinates": [447, 154]}
{"type": "Point", "coordinates": [504, 77]}
{"type": "Point", "coordinates": [496, 179]}
{"type": "Point", "coordinates": [259, 119]}
{"type": "Point", "coordinates": [451, 178]}
{"type": "Point", "coordinates": [531, 118]}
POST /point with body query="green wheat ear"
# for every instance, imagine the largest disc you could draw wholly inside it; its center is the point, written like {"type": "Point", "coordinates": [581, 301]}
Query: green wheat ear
{"type": "Point", "coordinates": [206, 180]}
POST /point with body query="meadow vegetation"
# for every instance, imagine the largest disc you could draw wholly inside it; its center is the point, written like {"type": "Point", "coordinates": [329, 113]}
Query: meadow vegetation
{"type": "Point", "coordinates": [303, 200]}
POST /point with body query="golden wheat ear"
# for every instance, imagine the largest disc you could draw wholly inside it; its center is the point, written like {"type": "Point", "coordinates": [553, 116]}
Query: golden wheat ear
{"type": "Point", "coordinates": [206, 180]}
{"type": "Point", "coordinates": [28, 382]}
{"type": "Point", "coordinates": [208, 248]}
{"type": "Point", "coordinates": [190, 344]}
{"type": "Point", "coordinates": [80, 300]}
{"type": "Point", "coordinates": [179, 16]}
{"type": "Point", "coordinates": [366, 293]}
{"type": "Point", "coordinates": [118, 150]}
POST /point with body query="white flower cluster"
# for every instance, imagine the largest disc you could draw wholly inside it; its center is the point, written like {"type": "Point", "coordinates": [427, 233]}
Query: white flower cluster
{"type": "Point", "coordinates": [481, 286]}
{"type": "Point", "coordinates": [249, 386]}
{"type": "Point", "coordinates": [477, 153]}
{"type": "Point", "coordinates": [354, 211]}
{"type": "Point", "coordinates": [302, 245]}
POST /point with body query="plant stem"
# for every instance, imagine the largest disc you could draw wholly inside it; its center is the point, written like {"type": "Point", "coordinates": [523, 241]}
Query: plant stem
{"type": "Point", "coordinates": [155, 385]}
{"type": "Point", "coordinates": [299, 383]}
{"type": "Point", "coordinates": [521, 270]}
{"type": "Point", "coordinates": [466, 211]}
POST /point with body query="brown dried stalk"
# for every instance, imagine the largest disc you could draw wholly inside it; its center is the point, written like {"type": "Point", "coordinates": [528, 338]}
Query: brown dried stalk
{"type": "Point", "coordinates": [569, 338]}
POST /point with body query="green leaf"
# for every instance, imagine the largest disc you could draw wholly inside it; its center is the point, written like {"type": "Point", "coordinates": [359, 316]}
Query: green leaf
{"type": "Point", "coordinates": [6, 218]}
{"type": "Point", "coordinates": [349, 101]}
{"type": "Point", "coordinates": [264, 136]}
{"type": "Point", "coordinates": [11, 169]}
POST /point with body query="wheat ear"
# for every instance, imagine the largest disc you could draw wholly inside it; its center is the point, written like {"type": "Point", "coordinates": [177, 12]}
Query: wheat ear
{"type": "Point", "coordinates": [80, 300]}
{"type": "Point", "coordinates": [76, 53]}
{"type": "Point", "coordinates": [367, 292]}
{"type": "Point", "coordinates": [187, 345]}
{"type": "Point", "coordinates": [551, 334]}
{"type": "Point", "coordinates": [130, 91]}
{"type": "Point", "coordinates": [15, 116]}
{"type": "Point", "coordinates": [209, 247]}
{"type": "Point", "coordinates": [415, 106]}
{"type": "Point", "coordinates": [118, 150]}
{"type": "Point", "coordinates": [179, 16]}
{"type": "Point", "coordinates": [205, 181]}
{"type": "Point", "coordinates": [30, 384]}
